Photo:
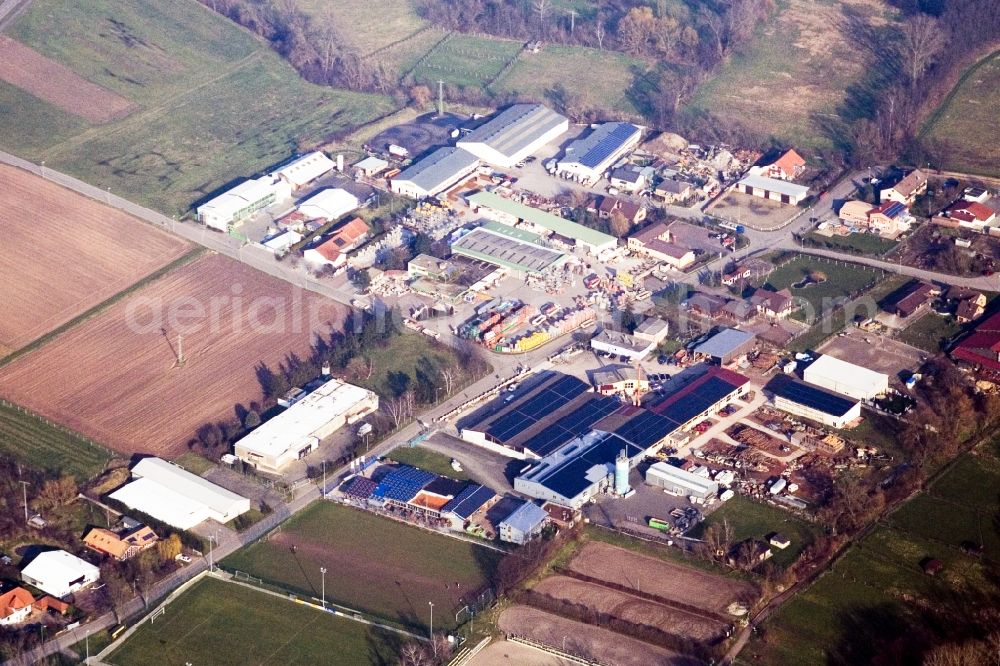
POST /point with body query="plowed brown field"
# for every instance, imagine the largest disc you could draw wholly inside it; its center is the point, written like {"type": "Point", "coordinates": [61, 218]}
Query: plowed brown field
{"type": "Point", "coordinates": [64, 253]}
{"type": "Point", "coordinates": [115, 378]}
{"type": "Point", "coordinates": [58, 85]}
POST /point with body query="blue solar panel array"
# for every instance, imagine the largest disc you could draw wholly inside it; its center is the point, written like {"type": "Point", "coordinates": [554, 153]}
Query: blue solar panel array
{"type": "Point", "coordinates": [646, 429]}
{"type": "Point", "coordinates": [571, 425]}
{"type": "Point", "coordinates": [570, 479]}
{"type": "Point", "coordinates": [470, 500]}
{"type": "Point", "coordinates": [608, 145]}
{"type": "Point", "coordinates": [894, 210]}
{"type": "Point", "coordinates": [526, 414]}
{"type": "Point", "coordinates": [811, 396]}
{"type": "Point", "coordinates": [359, 487]}
{"type": "Point", "coordinates": [403, 484]}
{"type": "Point", "coordinates": [687, 404]}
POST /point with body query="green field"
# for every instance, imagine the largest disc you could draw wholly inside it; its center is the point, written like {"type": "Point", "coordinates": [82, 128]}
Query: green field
{"type": "Point", "coordinates": [213, 102]}
{"type": "Point", "coordinates": [425, 459]}
{"type": "Point", "coordinates": [877, 593]}
{"type": "Point", "coordinates": [368, 25]}
{"type": "Point", "coordinates": [407, 353]}
{"type": "Point", "coordinates": [466, 60]}
{"type": "Point", "coordinates": [871, 245]}
{"type": "Point", "coordinates": [797, 74]}
{"type": "Point", "coordinates": [754, 520]}
{"type": "Point", "coordinates": [215, 622]}
{"type": "Point", "coordinates": [602, 79]}
{"type": "Point", "coordinates": [841, 280]}
{"type": "Point", "coordinates": [963, 133]}
{"type": "Point", "coordinates": [32, 441]}
{"type": "Point", "coordinates": [930, 331]}
{"type": "Point", "coordinates": [412, 566]}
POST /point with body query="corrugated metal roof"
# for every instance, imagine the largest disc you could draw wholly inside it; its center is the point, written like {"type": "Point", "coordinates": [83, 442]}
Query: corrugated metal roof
{"type": "Point", "coordinates": [441, 166]}
{"type": "Point", "coordinates": [505, 250]}
{"type": "Point", "coordinates": [515, 128]}
{"type": "Point", "coordinates": [542, 219]}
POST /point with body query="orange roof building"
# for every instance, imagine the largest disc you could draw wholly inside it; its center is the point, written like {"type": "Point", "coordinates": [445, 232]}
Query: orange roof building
{"type": "Point", "coordinates": [333, 250]}
{"type": "Point", "coordinates": [787, 167]}
{"type": "Point", "coordinates": [108, 543]}
{"type": "Point", "coordinates": [15, 606]}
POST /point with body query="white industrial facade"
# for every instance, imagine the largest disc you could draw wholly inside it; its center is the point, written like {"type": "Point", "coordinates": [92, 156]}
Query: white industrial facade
{"type": "Point", "coordinates": [329, 204]}
{"type": "Point", "coordinates": [819, 415]}
{"type": "Point", "coordinates": [59, 573]}
{"type": "Point", "coordinates": [849, 379]}
{"type": "Point", "coordinates": [771, 188]}
{"type": "Point", "coordinates": [177, 497]}
{"type": "Point", "coordinates": [514, 134]}
{"type": "Point", "coordinates": [621, 344]}
{"type": "Point", "coordinates": [242, 201]}
{"type": "Point", "coordinates": [298, 430]}
{"type": "Point", "coordinates": [303, 170]}
{"type": "Point", "coordinates": [435, 173]}
{"type": "Point", "coordinates": [586, 160]}
{"type": "Point", "coordinates": [679, 482]}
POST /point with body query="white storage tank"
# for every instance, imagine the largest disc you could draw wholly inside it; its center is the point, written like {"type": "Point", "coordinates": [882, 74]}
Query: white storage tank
{"type": "Point", "coordinates": [621, 474]}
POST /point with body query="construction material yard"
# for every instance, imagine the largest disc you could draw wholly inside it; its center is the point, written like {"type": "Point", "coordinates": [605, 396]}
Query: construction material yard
{"type": "Point", "coordinates": [374, 564]}
{"type": "Point", "coordinates": [111, 251]}
{"type": "Point", "coordinates": [116, 377]}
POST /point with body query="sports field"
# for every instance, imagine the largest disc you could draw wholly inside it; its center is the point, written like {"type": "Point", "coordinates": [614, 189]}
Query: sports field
{"type": "Point", "coordinates": [215, 622]}
{"type": "Point", "coordinates": [210, 102]}
{"type": "Point", "coordinates": [877, 595]}
{"type": "Point", "coordinates": [373, 564]}
{"type": "Point", "coordinates": [798, 71]}
{"type": "Point", "coordinates": [963, 132]}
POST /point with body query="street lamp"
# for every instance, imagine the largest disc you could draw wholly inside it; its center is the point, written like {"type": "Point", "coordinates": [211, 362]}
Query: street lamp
{"type": "Point", "coordinates": [324, 479]}
{"type": "Point", "coordinates": [322, 571]}
{"type": "Point", "coordinates": [432, 627]}
{"type": "Point", "coordinates": [212, 538]}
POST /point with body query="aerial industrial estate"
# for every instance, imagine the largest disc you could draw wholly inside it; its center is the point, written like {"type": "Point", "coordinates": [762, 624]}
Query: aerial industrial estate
{"type": "Point", "coordinates": [514, 365]}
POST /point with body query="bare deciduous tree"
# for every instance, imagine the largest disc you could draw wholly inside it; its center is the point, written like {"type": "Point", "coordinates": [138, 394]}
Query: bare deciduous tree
{"type": "Point", "coordinates": [921, 41]}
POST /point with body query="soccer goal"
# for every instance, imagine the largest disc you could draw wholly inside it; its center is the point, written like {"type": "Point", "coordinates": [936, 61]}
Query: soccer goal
{"type": "Point", "coordinates": [156, 614]}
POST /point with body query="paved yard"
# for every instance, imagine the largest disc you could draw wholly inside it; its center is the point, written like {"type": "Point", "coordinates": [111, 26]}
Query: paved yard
{"type": "Point", "coordinates": [876, 352]}
{"type": "Point", "coordinates": [755, 212]}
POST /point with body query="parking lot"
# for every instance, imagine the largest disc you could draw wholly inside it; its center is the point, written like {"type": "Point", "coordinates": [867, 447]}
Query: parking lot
{"type": "Point", "coordinates": [877, 352]}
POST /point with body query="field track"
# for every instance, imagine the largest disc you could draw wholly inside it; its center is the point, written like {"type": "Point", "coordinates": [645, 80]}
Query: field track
{"type": "Point", "coordinates": [58, 85]}
{"type": "Point", "coordinates": [64, 253]}
{"type": "Point", "coordinates": [115, 377]}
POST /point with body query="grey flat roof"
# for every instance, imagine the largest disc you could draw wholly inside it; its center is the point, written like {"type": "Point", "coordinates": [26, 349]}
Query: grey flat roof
{"type": "Point", "coordinates": [439, 167]}
{"type": "Point", "coordinates": [513, 129]}
{"type": "Point", "coordinates": [491, 244]}
{"type": "Point", "coordinates": [724, 342]}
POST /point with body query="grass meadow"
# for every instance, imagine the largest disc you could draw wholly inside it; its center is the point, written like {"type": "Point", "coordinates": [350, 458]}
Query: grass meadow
{"type": "Point", "coordinates": [412, 566]}
{"type": "Point", "coordinates": [833, 279]}
{"type": "Point", "coordinates": [35, 442]}
{"type": "Point", "coordinates": [215, 622]}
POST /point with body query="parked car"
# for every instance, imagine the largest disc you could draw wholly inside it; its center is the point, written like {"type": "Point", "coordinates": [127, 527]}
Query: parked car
{"type": "Point", "coordinates": [181, 557]}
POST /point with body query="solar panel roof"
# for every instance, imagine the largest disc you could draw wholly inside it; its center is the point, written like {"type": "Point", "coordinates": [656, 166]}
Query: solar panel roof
{"type": "Point", "coordinates": [608, 145]}
{"type": "Point", "coordinates": [532, 410]}
{"type": "Point", "coordinates": [802, 393]}
{"type": "Point", "coordinates": [571, 425]}
{"type": "Point", "coordinates": [694, 398]}
{"type": "Point", "coordinates": [646, 429]}
{"type": "Point", "coordinates": [359, 487]}
{"type": "Point", "coordinates": [403, 483]}
{"type": "Point", "coordinates": [571, 478]}
{"type": "Point", "coordinates": [470, 500]}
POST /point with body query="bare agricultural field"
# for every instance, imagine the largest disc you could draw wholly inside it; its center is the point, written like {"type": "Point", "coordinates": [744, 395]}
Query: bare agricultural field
{"type": "Point", "coordinates": [584, 640]}
{"type": "Point", "coordinates": [664, 579]}
{"type": "Point", "coordinates": [46, 79]}
{"type": "Point", "coordinates": [45, 282]}
{"type": "Point", "coordinates": [115, 378]}
{"type": "Point", "coordinates": [631, 608]}
{"type": "Point", "coordinates": [797, 71]}
{"type": "Point", "coordinates": [754, 212]}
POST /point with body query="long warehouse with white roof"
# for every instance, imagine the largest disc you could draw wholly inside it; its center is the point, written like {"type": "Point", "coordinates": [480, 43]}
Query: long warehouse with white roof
{"type": "Point", "coordinates": [586, 160]}
{"type": "Point", "coordinates": [177, 497]}
{"type": "Point", "coordinates": [298, 430]}
{"type": "Point", "coordinates": [514, 134]}
{"type": "Point", "coordinates": [849, 379]}
{"type": "Point", "coordinates": [435, 173]}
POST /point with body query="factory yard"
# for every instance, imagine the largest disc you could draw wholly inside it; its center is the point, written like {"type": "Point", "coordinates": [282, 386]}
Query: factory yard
{"type": "Point", "coordinates": [877, 352]}
{"type": "Point", "coordinates": [584, 640]}
{"type": "Point", "coordinates": [40, 220]}
{"type": "Point", "coordinates": [116, 378]}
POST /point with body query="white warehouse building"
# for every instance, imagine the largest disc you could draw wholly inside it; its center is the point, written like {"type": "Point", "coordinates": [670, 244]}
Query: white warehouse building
{"type": "Point", "coordinates": [846, 378]}
{"type": "Point", "coordinates": [586, 160]}
{"type": "Point", "coordinates": [680, 482]}
{"type": "Point", "coordinates": [177, 497]}
{"type": "Point", "coordinates": [305, 169]}
{"type": "Point", "coordinates": [329, 204]}
{"type": "Point", "coordinates": [59, 573]}
{"type": "Point", "coordinates": [297, 431]}
{"type": "Point", "coordinates": [243, 201]}
{"type": "Point", "coordinates": [514, 134]}
{"type": "Point", "coordinates": [435, 173]}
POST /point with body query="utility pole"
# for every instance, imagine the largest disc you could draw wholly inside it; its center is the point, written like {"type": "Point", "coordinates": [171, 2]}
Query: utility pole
{"type": "Point", "coordinates": [24, 492]}
{"type": "Point", "coordinates": [432, 628]}
{"type": "Point", "coordinates": [323, 492]}
{"type": "Point", "coordinates": [322, 571]}
{"type": "Point", "coordinates": [212, 538]}
{"type": "Point", "coordinates": [440, 98]}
